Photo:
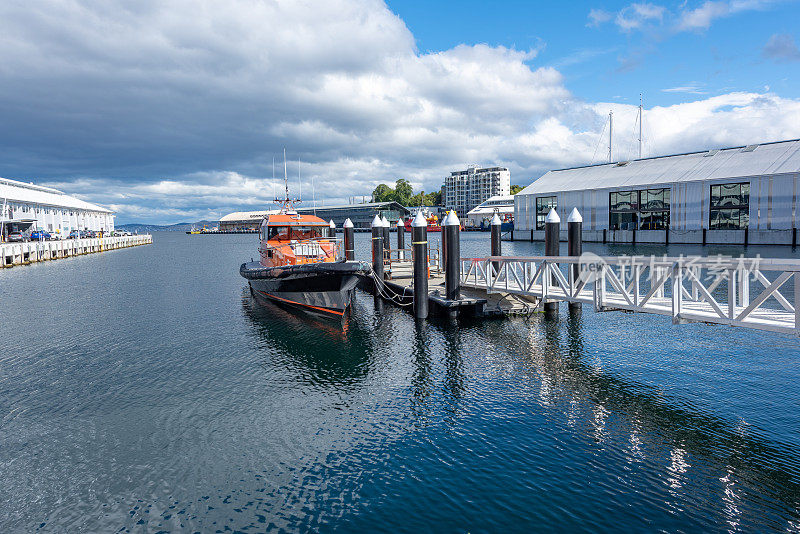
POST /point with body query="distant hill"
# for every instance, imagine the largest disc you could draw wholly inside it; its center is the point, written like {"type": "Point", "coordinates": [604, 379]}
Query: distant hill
{"type": "Point", "coordinates": [178, 227]}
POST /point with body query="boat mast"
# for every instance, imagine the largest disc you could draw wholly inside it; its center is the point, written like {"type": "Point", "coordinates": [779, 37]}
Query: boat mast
{"type": "Point", "coordinates": [285, 176]}
{"type": "Point", "coordinates": [610, 130]}
{"type": "Point", "coordinates": [641, 118]}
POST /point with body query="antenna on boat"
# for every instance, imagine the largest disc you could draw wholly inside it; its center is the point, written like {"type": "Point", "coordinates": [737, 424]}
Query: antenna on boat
{"type": "Point", "coordinates": [299, 182]}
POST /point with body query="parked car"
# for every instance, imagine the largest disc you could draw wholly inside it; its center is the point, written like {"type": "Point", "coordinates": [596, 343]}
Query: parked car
{"type": "Point", "coordinates": [16, 237]}
{"type": "Point", "coordinates": [40, 235]}
{"type": "Point", "coordinates": [75, 234]}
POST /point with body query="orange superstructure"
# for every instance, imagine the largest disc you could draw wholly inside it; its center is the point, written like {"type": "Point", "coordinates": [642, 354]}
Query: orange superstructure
{"type": "Point", "coordinates": [288, 238]}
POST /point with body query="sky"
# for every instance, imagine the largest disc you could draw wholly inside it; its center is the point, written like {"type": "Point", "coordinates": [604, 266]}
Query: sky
{"type": "Point", "coordinates": [174, 110]}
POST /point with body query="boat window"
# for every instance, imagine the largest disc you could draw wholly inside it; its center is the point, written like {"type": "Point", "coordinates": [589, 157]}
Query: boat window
{"type": "Point", "coordinates": [280, 232]}
{"type": "Point", "coordinates": [306, 232]}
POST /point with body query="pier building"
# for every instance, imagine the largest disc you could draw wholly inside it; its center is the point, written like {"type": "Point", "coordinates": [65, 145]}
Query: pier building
{"type": "Point", "coordinates": [464, 190]}
{"type": "Point", "coordinates": [361, 215]}
{"type": "Point", "coordinates": [25, 207]}
{"type": "Point", "coordinates": [738, 195]}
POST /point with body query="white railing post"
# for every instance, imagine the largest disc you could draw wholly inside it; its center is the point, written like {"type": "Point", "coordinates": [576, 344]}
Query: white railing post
{"type": "Point", "coordinates": [797, 303]}
{"type": "Point", "coordinates": [677, 294]}
{"type": "Point", "coordinates": [545, 279]}
{"type": "Point", "coordinates": [731, 294]}
{"type": "Point", "coordinates": [744, 287]}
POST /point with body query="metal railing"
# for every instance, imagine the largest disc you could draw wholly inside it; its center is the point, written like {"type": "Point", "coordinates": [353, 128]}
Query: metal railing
{"type": "Point", "coordinates": [748, 292]}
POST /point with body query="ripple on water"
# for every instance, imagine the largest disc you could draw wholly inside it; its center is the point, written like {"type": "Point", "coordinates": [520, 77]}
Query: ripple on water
{"type": "Point", "coordinates": [170, 400]}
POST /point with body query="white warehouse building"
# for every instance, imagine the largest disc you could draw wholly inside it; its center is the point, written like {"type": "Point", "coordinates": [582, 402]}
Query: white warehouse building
{"type": "Point", "coordinates": [740, 195]}
{"type": "Point", "coordinates": [26, 207]}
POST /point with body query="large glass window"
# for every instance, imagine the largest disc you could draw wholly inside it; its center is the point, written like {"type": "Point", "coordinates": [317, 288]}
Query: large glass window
{"type": "Point", "coordinates": [647, 209]}
{"type": "Point", "coordinates": [730, 206]}
{"type": "Point", "coordinates": [543, 206]}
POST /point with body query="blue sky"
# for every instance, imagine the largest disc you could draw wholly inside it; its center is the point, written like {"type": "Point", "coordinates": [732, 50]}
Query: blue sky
{"type": "Point", "coordinates": [605, 62]}
{"type": "Point", "coordinates": [173, 110]}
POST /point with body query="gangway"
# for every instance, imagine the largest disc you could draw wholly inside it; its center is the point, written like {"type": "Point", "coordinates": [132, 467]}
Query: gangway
{"type": "Point", "coordinates": [757, 293]}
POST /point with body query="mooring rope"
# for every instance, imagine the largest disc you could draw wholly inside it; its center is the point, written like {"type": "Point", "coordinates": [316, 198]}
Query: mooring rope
{"type": "Point", "coordinates": [384, 290]}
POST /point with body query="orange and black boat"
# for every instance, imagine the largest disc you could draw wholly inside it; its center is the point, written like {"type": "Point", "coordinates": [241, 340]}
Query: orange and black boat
{"type": "Point", "coordinates": [301, 265]}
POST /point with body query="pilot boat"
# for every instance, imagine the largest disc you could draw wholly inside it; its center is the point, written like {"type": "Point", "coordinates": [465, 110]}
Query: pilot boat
{"type": "Point", "coordinates": [301, 265]}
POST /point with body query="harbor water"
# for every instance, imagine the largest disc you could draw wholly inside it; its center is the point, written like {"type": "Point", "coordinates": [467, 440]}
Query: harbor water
{"type": "Point", "coordinates": [144, 390]}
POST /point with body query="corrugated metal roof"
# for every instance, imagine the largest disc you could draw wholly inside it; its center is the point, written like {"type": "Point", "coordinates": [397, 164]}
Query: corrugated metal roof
{"type": "Point", "coordinates": [28, 193]}
{"type": "Point", "coordinates": [769, 158]}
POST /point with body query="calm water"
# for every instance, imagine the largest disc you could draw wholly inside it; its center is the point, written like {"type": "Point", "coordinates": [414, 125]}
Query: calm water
{"type": "Point", "coordinates": [143, 390]}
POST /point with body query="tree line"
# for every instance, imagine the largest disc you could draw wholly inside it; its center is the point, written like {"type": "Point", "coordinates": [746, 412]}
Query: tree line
{"type": "Point", "coordinates": [403, 193]}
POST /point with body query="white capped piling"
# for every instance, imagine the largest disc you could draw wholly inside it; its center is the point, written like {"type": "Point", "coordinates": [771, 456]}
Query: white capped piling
{"type": "Point", "coordinates": [377, 262]}
{"type": "Point", "coordinates": [496, 248]}
{"type": "Point", "coordinates": [332, 229]}
{"type": "Point", "coordinates": [574, 247]}
{"type": "Point", "coordinates": [419, 247]}
{"type": "Point", "coordinates": [387, 245]}
{"type": "Point", "coordinates": [451, 227]}
{"type": "Point", "coordinates": [377, 248]}
{"type": "Point", "coordinates": [401, 238]}
{"type": "Point", "coordinates": [349, 240]}
{"type": "Point", "coordinates": [552, 228]}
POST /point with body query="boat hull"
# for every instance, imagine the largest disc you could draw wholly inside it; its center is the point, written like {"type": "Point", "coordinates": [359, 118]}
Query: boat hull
{"type": "Point", "coordinates": [322, 288]}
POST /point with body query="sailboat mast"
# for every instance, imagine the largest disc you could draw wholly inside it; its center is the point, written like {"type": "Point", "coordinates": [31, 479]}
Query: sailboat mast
{"type": "Point", "coordinates": [285, 175]}
{"type": "Point", "coordinates": [641, 119]}
{"type": "Point", "coordinates": [610, 131]}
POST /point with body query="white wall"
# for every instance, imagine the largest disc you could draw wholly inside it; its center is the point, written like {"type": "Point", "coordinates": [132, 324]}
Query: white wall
{"type": "Point", "coordinates": [773, 204]}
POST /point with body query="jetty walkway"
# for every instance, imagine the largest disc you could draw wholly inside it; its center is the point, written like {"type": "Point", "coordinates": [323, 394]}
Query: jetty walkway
{"type": "Point", "coordinates": [13, 254]}
{"type": "Point", "coordinates": [757, 293]}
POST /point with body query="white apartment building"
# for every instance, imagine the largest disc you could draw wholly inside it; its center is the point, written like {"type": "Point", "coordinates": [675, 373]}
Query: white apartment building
{"type": "Point", "coordinates": [464, 190]}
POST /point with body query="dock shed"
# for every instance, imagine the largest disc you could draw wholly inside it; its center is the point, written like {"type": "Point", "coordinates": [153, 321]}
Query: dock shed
{"type": "Point", "coordinates": [738, 195]}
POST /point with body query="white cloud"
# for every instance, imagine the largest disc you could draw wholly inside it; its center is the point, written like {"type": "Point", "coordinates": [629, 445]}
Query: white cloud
{"type": "Point", "coordinates": [598, 17]}
{"type": "Point", "coordinates": [700, 18]}
{"type": "Point", "coordinates": [635, 16]}
{"type": "Point", "coordinates": [168, 117]}
{"type": "Point", "coordinates": [692, 88]}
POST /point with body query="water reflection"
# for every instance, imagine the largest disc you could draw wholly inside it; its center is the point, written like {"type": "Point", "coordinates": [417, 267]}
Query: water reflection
{"type": "Point", "coordinates": [422, 375]}
{"type": "Point", "coordinates": [319, 351]}
{"type": "Point", "coordinates": [683, 444]}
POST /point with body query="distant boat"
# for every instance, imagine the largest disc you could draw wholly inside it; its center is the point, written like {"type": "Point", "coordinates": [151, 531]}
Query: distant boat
{"type": "Point", "coordinates": [433, 223]}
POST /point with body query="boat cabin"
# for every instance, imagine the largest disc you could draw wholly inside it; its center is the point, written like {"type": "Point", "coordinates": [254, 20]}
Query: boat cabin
{"type": "Point", "coordinates": [292, 239]}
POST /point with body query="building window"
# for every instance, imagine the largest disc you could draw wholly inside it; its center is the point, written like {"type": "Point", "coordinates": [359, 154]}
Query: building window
{"type": "Point", "coordinates": [730, 206]}
{"type": "Point", "coordinates": [543, 206]}
{"type": "Point", "coordinates": [647, 209]}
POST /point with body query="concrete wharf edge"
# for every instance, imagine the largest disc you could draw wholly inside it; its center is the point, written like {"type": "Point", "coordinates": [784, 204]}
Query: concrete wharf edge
{"type": "Point", "coordinates": [14, 254]}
